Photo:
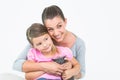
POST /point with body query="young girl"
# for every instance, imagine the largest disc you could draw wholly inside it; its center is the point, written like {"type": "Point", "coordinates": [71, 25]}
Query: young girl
{"type": "Point", "coordinates": [43, 50]}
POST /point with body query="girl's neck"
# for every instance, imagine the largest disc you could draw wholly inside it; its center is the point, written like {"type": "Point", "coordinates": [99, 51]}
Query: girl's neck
{"type": "Point", "coordinates": [48, 55]}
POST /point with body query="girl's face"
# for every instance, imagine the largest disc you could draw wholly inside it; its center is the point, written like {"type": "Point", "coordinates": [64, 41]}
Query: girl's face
{"type": "Point", "coordinates": [43, 43]}
{"type": "Point", "coordinates": [56, 28]}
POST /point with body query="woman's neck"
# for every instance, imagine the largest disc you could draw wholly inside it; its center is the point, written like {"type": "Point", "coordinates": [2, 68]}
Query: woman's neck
{"type": "Point", "coordinates": [68, 40]}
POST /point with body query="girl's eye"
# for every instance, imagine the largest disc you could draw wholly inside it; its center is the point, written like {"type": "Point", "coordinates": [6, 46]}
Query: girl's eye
{"type": "Point", "coordinates": [46, 38]}
{"type": "Point", "coordinates": [39, 44]}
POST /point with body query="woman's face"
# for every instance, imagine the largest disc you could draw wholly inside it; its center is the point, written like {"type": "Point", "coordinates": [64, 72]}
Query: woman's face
{"type": "Point", "coordinates": [56, 28]}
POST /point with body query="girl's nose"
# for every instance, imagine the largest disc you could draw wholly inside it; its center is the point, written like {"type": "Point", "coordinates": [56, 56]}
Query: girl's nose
{"type": "Point", "coordinates": [44, 45]}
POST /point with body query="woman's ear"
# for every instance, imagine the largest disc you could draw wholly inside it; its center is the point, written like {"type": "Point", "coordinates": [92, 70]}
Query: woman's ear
{"type": "Point", "coordinates": [65, 20]}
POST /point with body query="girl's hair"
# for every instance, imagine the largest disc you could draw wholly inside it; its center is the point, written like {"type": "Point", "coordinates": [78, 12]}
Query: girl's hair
{"type": "Point", "coordinates": [51, 12]}
{"type": "Point", "coordinates": [36, 30]}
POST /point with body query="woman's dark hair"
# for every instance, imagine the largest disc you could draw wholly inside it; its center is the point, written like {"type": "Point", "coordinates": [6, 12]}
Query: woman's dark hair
{"type": "Point", "coordinates": [51, 12]}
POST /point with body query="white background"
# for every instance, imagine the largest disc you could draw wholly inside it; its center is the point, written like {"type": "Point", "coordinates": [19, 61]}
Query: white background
{"type": "Point", "coordinates": [97, 22]}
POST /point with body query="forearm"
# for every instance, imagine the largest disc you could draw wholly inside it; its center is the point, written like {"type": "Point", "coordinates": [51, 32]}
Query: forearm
{"type": "Point", "coordinates": [30, 66]}
{"type": "Point", "coordinates": [78, 76]}
{"type": "Point", "coordinates": [76, 69]}
{"type": "Point", "coordinates": [33, 75]}
{"type": "Point", "coordinates": [48, 67]}
{"type": "Point", "coordinates": [18, 63]}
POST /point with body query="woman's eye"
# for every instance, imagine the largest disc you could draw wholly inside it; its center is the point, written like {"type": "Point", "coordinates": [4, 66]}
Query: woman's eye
{"type": "Point", "coordinates": [59, 26]}
{"type": "Point", "coordinates": [50, 29]}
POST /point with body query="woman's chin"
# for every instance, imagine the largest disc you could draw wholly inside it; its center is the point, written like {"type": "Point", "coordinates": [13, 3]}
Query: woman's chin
{"type": "Point", "coordinates": [59, 40]}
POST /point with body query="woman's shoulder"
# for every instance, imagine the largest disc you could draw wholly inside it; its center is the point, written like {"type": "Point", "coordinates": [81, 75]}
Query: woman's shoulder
{"type": "Point", "coordinates": [79, 42]}
{"type": "Point", "coordinates": [78, 39]}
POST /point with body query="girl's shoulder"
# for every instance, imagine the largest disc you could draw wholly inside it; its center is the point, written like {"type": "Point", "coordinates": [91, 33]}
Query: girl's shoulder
{"type": "Point", "coordinates": [35, 51]}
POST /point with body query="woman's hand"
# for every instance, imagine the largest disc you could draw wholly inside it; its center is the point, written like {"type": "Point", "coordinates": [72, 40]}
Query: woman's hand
{"type": "Point", "coordinates": [67, 65]}
{"type": "Point", "coordinates": [67, 74]}
{"type": "Point", "coordinates": [53, 68]}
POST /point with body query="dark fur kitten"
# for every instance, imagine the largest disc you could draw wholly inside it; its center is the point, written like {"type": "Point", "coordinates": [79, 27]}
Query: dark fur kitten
{"type": "Point", "coordinates": [62, 60]}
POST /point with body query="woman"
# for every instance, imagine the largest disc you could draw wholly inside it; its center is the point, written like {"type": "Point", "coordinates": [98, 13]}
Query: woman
{"type": "Point", "coordinates": [55, 22]}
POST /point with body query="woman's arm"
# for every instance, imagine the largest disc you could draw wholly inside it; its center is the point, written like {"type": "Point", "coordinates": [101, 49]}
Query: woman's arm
{"type": "Point", "coordinates": [44, 66]}
{"type": "Point", "coordinates": [80, 55]}
{"type": "Point", "coordinates": [48, 67]}
{"type": "Point", "coordinates": [72, 72]}
{"type": "Point", "coordinates": [33, 75]}
{"type": "Point", "coordinates": [18, 63]}
{"type": "Point", "coordinates": [23, 65]}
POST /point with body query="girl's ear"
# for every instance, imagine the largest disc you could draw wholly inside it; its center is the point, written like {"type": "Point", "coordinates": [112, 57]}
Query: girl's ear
{"type": "Point", "coordinates": [31, 46]}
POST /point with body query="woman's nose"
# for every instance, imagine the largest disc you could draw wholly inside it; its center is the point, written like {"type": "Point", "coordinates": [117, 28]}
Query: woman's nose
{"type": "Point", "coordinates": [55, 32]}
